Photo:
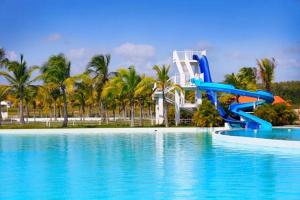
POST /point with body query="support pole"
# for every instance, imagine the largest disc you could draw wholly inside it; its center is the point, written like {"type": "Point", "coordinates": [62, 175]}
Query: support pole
{"type": "Point", "coordinates": [159, 110]}
{"type": "Point", "coordinates": [198, 97]}
{"type": "Point", "coordinates": [177, 107]}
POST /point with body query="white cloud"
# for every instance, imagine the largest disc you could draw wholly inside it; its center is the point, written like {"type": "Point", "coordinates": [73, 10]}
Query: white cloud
{"type": "Point", "coordinates": [79, 58]}
{"type": "Point", "coordinates": [11, 55]}
{"type": "Point", "coordinates": [54, 37]}
{"type": "Point", "coordinates": [135, 52]}
{"type": "Point", "coordinates": [78, 53]}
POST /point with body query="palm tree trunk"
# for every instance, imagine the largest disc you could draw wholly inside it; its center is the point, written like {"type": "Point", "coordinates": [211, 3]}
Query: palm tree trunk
{"type": "Point", "coordinates": [100, 109]}
{"type": "Point", "coordinates": [165, 109]}
{"type": "Point", "coordinates": [80, 112]}
{"type": "Point", "coordinates": [150, 113]}
{"type": "Point", "coordinates": [106, 115]}
{"type": "Point", "coordinates": [50, 112]}
{"type": "Point", "coordinates": [124, 111]}
{"type": "Point", "coordinates": [60, 111]}
{"type": "Point", "coordinates": [65, 123]}
{"type": "Point", "coordinates": [21, 108]}
{"type": "Point", "coordinates": [27, 112]}
{"type": "Point", "coordinates": [34, 115]}
{"type": "Point", "coordinates": [268, 86]}
{"type": "Point", "coordinates": [0, 114]}
{"type": "Point", "coordinates": [114, 113]}
{"type": "Point", "coordinates": [131, 113]}
{"type": "Point", "coordinates": [90, 110]}
{"type": "Point", "coordinates": [141, 113]}
{"type": "Point", "coordinates": [83, 111]}
{"type": "Point", "coordinates": [55, 116]}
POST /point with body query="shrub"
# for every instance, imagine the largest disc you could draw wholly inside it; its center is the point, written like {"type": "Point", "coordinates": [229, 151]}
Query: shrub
{"type": "Point", "coordinates": [278, 114]}
{"type": "Point", "coordinates": [207, 115]}
{"type": "Point", "coordinates": [183, 115]}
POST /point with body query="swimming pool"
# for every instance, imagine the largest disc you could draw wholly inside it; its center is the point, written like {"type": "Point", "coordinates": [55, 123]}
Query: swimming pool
{"type": "Point", "coordinates": [281, 139]}
{"type": "Point", "coordinates": [150, 165]}
{"type": "Point", "coordinates": [290, 134]}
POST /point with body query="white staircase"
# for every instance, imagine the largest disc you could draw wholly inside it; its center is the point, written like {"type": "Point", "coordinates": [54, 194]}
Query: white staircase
{"type": "Point", "coordinates": [187, 69]}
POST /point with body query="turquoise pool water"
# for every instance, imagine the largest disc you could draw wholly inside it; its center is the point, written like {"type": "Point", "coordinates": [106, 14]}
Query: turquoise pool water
{"type": "Point", "coordinates": [141, 166]}
{"type": "Point", "coordinates": [292, 134]}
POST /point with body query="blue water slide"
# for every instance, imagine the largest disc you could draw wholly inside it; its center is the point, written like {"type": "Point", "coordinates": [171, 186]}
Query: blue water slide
{"type": "Point", "coordinates": [237, 109]}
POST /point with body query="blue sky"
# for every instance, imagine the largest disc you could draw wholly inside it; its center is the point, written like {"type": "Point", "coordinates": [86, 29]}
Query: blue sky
{"type": "Point", "coordinates": [144, 33]}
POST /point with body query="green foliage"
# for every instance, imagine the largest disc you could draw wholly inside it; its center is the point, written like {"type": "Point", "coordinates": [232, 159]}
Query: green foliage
{"type": "Point", "coordinates": [245, 79]}
{"type": "Point", "coordinates": [18, 75]}
{"type": "Point", "coordinates": [98, 69]}
{"type": "Point", "coordinates": [289, 90]}
{"type": "Point", "coordinates": [266, 69]}
{"type": "Point", "coordinates": [226, 100]}
{"type": "Point", "coordinates": [162, 83]}
{"type": "Point", "coordinates": [267, 113]}
{"type": "Point", "coordinates": [207, 115]}
{"type": "Point", "coordinates": [278, 114]}
{"type": "Point", "coordinates": [3, 59]}
{"type": "Point", "coordinates": [56, 71]}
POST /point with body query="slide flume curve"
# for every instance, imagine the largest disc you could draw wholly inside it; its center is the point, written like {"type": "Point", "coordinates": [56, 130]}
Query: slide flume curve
{"type": "Point", "coordinates": [240, 111]}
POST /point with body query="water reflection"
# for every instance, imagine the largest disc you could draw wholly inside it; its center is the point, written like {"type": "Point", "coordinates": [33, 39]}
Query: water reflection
{"type": "Point", "coordinates": [140, 166]}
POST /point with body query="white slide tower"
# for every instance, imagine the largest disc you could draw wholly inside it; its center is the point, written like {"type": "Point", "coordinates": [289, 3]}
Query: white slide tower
{"type": "Point", "coordinates": [187, 69]}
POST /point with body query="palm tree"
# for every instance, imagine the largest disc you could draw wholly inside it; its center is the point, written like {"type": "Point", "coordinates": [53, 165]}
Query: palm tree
{"type": "Point", "coordinates": [114, 91]}
{"type": "Point", "coordinates": [248, 73]}
{"type": "Point", "coordinates": [266, 69]}
{"type": "Point", "coordinates": [162, 82]}
{"type": "Point", "coordinates": [244, 79]}
{"type": "Point", "coordinates": [80, 96]}
{"type": "Point", "coordinates": [19, 77]}
{"type": "Point", "coordinates": [111, 93]}
{"type": "Point", "coordinates": [98, 68]}
{"type": "Point", "coordinates": [88, 85]}
{"type": "Point", "coordinates": [29, 98]}
{"type": "Point", "coordinates": [248, 77]}
{"type": "Point", "coordinates": [233, 79]}
{"type": "Point", "coordinates": [3, 59]}
{"type": "Point", "coordinates": [55, 94]}
{"type": "Point", "coordinates": [57, 71]}
{"type": "Point", "coordinates": [130, 80]}
{"type": "Point", "coordinates": [143, 92]}
{"type": "Point", "coordinates": [4, 90]}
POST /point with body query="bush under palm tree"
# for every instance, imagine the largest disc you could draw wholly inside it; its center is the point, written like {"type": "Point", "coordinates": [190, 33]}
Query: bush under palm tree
{"type": "Point", "coordinates": [278, 114]}
{"type": "Point", "coordinates": [207, 115]}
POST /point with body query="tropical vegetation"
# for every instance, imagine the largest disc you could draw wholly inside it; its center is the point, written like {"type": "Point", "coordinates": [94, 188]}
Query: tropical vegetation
{"type": "Point", "coordinates": [245, 79]}
{"type": "Point", "coordinates": [266, 69]}
{"type": "Point", "coordinates": [279, 114]}
{"type": "Point", "coordinates": [207, 115]}
{"type": "Point", "coordinates": [51, 91]}
{"type": "Point", "coordinates": [289, 90]}
{"type": "Point", "coordinates": [18, 75]}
